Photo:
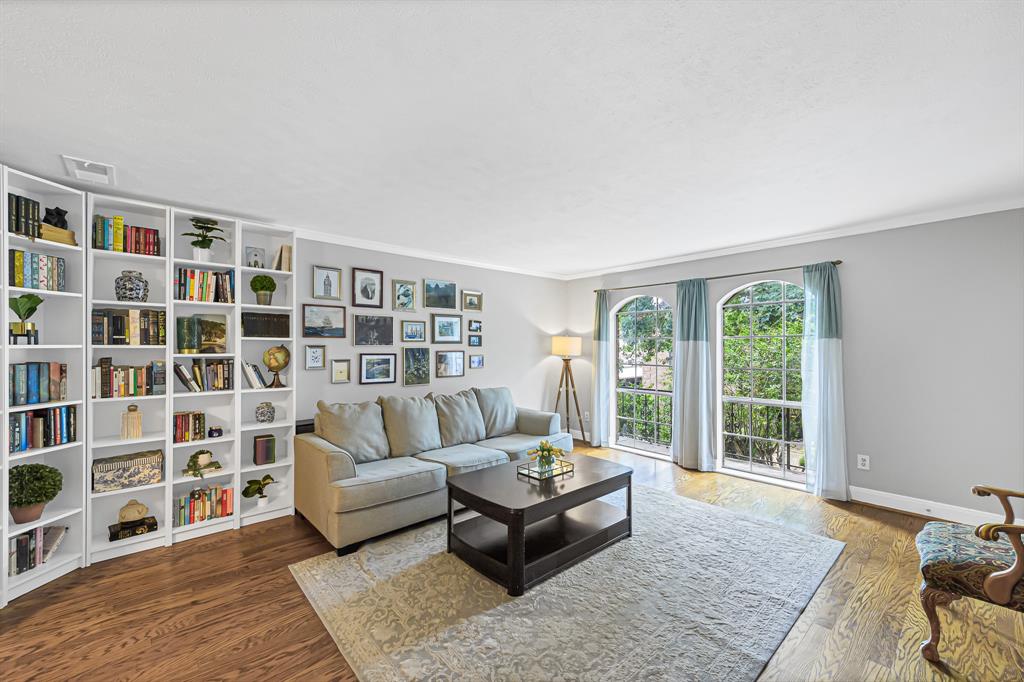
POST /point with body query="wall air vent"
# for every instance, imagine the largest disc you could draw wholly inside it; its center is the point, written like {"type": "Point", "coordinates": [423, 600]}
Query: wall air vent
{"type": "Point", "coordinates": [89, 171]}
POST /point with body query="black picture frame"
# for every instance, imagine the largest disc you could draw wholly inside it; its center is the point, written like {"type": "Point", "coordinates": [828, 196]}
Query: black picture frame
{"type": "Point", "coordinates": [475, 340]}
{"type": "Point", "coordinates": [373, 330]}
{"type": "Point", "coordinates": [359, 297]}
{"type": "Point", "coordinates": [392, 366]}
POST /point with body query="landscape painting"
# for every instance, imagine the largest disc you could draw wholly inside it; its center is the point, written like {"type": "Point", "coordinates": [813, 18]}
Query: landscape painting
{"type": "Point", "coordinates": [377, 368]}
{"type": "Point", "coordinates": [416, 366]}
{"type": "Point", "coordinates": [439, 293]}
{"type": "Point", "coordinates": [445, 328]}
{"type": "Point", "coordinates": [373, 330]}
{"type": "Point", "coordinates": [323, 321]}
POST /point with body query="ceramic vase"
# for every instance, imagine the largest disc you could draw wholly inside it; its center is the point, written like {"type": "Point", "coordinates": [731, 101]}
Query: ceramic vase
{"type": "Point", "coordinates": [262, 501]}
{"type": "Point", "coordinates": [200, 255]}
{"type": "Point", "coordinates": [131, 286]}
{"type": "Point", "coordinates": [265, 413]}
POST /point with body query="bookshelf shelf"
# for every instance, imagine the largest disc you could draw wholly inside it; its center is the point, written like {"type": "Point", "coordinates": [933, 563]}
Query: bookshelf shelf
{"type": "Point", "coordinates": [124, 256]}
{"type": "Point", "coordinates": [265, 271]}
{"type": "Point", "coordinates": [51, 514]}
{"type": "Point", "coordinates": [208, 356]}
{"type": "Point", "coordinates": [43, 293]}
{"type": "Point", "coordinates": [267, 308]}
{"type": "Point", "coordinates": [256, 426]}
{"type": "Point", "coordinates": [21, 455]}
{"type": "Point", "coordinates": [18, 241]}
{"type": "Point", "coordinates": [110, 303]}
{"type": "Point", "coordinates": [127, 346]}
{"type": "Point", "coordinates": [199, 394]}
{"type": "Point", "coordinates": [204, 304]}
{"type": "Point", "coordinates": [204, 265]}
{"type": "Point", "coordinates": [268, 339]}
{"type": "Point", "coordinates": [212, 476]}
{"type": "Point", "coordinates": [125, 491]}
{"type": "Point", "coordinates": [127, 398]}
{"type": "Point", "coordinates": [266, 390]}
{"type": "Point", "coordinates": [264, 467]}
{"type": "Point", "coordinates": [203, 442]}
{"type": "Point", "coordinates": [57, 566]}
{"type": "Point", "coordinates": [42, 406]}
{"type": "Point", "coordinates": [114, 441]}
{"type": "Point", "coordinates": [204, 525]}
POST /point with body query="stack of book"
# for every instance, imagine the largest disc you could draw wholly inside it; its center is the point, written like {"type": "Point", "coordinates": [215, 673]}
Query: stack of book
{"type": "Point", "coordinates": [134, 327]}
{"type": "Point", "coordinates": [35, 270]}
{"type": "Point", "coordinates": [203, 285]}
{"type": "Point", "coordinates": [107, 380]}
{"type": "Point", "coordinates": [253, 376]}
{"type": "Point", "coordinates": [203, 504]}
{"type": "Point", "coordinates": [189, 426]}
{"type": "Point", "coordinates": [111, 234]}
{"type": "Point", "coordinates": [23, 216]}
{"type": "Point", "coordinates": [34, 548]}
{"type": "Point", "coordinates": [206, 375]}
{"type": "Point", "coordinates": [43, 428]}
{"type": "Point", "coordinates": [267, 325]}
{"type": "Point", "coordinates": [30, 383]}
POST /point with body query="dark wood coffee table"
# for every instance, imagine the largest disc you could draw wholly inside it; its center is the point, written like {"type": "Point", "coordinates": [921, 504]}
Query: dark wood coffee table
{"type": "Point", "coordinates": [527, 530]}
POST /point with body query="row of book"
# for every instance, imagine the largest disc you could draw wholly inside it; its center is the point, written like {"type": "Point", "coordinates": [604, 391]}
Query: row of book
{"type": "Point", "coordinates": [107, 380]}
{"type": "Point", "coordinates": [134, 327]}
{"type": "Point", "coordinates": [203, 504]}
{"type": "Point", "coordinates": [253, 376]}
{"type": "Point", "coordinates": [30, 383]}
{"type": "Point", "coordinates": [35, 270]}
{"type": "Point", "coordinates": [203, 285]}
{"type": "Point", "coordinates": [43, 428]}
{"type": "Point", "coordinates": [33, 548]}
{"type": "Point", "coordinates": [23, 215]}
{"type": "Point", "coordinates": [267, 325]}
{"type": "Point", "coordinates": [111, 234]}
{"type": "Point", "coordinates": [189, 426]}
{"type": "Point", "coordinates": [206, 375]}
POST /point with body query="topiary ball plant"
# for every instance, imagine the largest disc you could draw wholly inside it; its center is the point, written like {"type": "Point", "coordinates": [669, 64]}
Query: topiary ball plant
{"type": "Point", "coordinates": [31, 487]}
{"type": "Point", "coordinates": [263, 283]}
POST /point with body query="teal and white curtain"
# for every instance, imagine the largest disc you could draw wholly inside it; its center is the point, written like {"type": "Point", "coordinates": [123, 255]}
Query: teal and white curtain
{"type": "Point", "coordinates": [692, 406]}
{"type": "Point", "coordinates": [601, 389]}
{"type": "Point", "coordinates": [822, 362]}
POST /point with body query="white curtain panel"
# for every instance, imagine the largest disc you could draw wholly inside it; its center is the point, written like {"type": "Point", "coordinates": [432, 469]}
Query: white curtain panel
{"type": "Point", "coordinates": [601, 390]}
{"type": "Point", "coordinates": [824, 416]}
{"type": "Point", "coordinates": [692, 396]}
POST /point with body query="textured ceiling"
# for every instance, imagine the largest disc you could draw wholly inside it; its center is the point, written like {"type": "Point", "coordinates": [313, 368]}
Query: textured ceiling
{"type": "Point", "coordinates": [554, 137]}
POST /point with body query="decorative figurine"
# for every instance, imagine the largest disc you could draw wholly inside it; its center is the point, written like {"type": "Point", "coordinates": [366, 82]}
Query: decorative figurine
{"type": "Point", "coordinates": [131, 521]}
{"type": "Point", "coordinates": [215, 432]}
{"type": "Point", "coordinates": [57, 217]}
{"type": "Point", "coordinates": [133, 511]}
{"type": "Point", "coordinates": [131, 423]}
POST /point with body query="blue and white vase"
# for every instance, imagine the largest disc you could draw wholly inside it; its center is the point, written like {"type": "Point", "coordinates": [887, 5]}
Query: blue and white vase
{"type": "Point", "coordinates": [131, 286]}
{"type": "Point", "coordinates": [265, 413]}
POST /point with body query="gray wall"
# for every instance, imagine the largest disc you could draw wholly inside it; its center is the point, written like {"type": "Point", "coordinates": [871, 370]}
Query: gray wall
{"type": "Point", "coordinates": [520, 314]}
{"type": "Point", "coordinates": [933, 347]}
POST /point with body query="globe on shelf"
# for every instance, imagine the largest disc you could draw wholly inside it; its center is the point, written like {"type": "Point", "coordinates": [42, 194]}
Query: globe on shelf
{"type": "Point", "coordinates": [276, 359]}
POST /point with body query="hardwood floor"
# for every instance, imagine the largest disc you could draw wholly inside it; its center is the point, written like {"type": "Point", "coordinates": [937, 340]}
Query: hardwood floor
{"type": "Point", "coordinates": [226, 607]}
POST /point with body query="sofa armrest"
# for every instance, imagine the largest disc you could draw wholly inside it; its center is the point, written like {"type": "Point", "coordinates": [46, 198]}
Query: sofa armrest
{"type": "Point", "coordinates": [335, 463]}
{"type": "Point", "coordinates": [318, 463]}
{"type": "Point", "coordinates": [537, 423]}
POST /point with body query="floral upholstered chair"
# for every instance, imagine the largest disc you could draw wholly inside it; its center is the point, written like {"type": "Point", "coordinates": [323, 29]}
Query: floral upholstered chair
{"type": "Point", "coordinates": [958, 561]}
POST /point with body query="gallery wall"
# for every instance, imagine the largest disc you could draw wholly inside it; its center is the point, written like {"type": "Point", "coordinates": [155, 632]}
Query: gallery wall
{"type": "Point", "coordinates": [520, 313]}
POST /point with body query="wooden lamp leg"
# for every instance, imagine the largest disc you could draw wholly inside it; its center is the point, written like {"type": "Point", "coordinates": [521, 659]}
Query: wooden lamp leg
{"type": "Point", "coordinates": [576, 399]}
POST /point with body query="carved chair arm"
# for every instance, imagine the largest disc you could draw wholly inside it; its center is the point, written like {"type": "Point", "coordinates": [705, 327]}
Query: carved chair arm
{"type": "Point", "coordinates": [1002, 494]}
{"type": "Point", "coordinates": [999, 586]}
{"type": "Point", "coordinates": [991, 531]}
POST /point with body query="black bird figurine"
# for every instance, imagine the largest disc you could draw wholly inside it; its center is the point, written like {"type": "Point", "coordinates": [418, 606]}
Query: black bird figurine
{"type": "Point", "coordinates": [57, 217]}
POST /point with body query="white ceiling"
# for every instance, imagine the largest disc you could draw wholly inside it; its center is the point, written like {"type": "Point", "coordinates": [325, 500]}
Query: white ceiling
{"type": "Point", "coordinates": [552, 137]}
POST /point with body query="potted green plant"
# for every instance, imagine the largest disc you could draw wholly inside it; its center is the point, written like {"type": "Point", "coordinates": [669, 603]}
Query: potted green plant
{"type": "Point", "coordinates": [264, 287]}
{"type": "Point", "coordinates": [257, 488]}
{"type": "Point", "coordinates": [199, 463]}
{"type": "Point", "coordinates": [24, 306]}
{"type": "Point", "coordinates": [31, 488]}
{"type": "Point", "coordinates": [205, 235]}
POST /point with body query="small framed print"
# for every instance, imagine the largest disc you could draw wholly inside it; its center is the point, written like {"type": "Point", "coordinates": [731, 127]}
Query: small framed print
{"type": "Point", "coordinates": [472, 301]}
{"type": "Point", "coordinates": [367, 288]}
{"type": "Point", "coordinates": [326, 283]}
{"type": "Point", "coordinates": [445, 328]}
{"type": "Point", "coordinates": [403, 295]}
{"type": "Point", "coordinates": [373, 330]}
{"type": "Point", "coordinates": [416, 366]}
{"type": "Point", "coordinates": [476, 362]}
{"type": "Point", "coordinates": [439, 293]}
{"type": "Point", "coordinates": [450, 363]}
{"type": "Point", "coordinates": [476, 340]}
{"type": "Point", "coordinates": [377, 368]}
{"type": "Point", "coordinates": [413, 330]}
{"type": "Point", "coordinates": [341, 371]}
{"type": "Point", "coordinates": [316, 357]}
{"type": "Point", "coordinates": [326, 321]}
{"type": "Point", "coordinates": [476, 326]}
{"type": "Point", "coordinates": [255, 257]}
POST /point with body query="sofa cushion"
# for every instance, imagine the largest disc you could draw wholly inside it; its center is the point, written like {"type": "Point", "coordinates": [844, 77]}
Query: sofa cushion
{"type": "Point", "coordinates": [518, 445]}
{"type": "Point", "coordinates": [410, 424]}
{"type": "Point", "coordinates": [498, 410]}
{"type": "Point", "coordinates": [459, 459]}
{"type": "Point", "coordinates": [356, 428]}
{"type": "Point", "coordinates": [459, 418]}
{"type": "Point", "coordinates": [385, 480]}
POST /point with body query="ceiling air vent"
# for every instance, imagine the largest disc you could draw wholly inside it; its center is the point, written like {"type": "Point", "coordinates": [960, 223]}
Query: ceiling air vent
{"type": "Point", "coordinates": [90, 171]}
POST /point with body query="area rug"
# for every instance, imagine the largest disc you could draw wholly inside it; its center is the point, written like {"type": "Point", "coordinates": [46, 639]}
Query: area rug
{"type": "Point", "coordinates": [698, 593]}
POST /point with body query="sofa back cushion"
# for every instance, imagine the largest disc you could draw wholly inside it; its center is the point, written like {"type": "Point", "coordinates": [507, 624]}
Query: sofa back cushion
{"type": "Point", "coordinates": [498, 410]}
{"type": "Point", "coordinates": [459, 418]}
{"type": "Point", "coordinates": [411, 425]}
{"type": "Point", "coordinates": [356, 428]}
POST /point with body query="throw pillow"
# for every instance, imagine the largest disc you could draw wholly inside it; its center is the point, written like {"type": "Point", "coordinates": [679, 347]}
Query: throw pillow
{"type": "Point", "coordinates": [498, 410]}
{"type": "Point", "coordinates": [410, 424]}
{"type": "Point", "coordinates": [460, 418]}
{"type": "Point", "coordinates": [356, 428]}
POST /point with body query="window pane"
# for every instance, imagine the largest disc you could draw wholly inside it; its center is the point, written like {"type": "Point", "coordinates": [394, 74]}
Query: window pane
{"type": "Point", "coordinates": [736, 383]}
{"type": "Point", "coordinates": [768, 291]}
{"type": "Point", "coordinates": [627, 351]}
{"type": "Point", "coordinates": [736, 353]}
{"type": "Point", "coordinates": [665, 324]}
{"type": "Point", "coordinates": [625, 427]}
{"type": "Point", "coordinates": [644, 303]}
{"type": "Point", "coordinates": [648, 377]}
{"type": "Point", "coordinates": [767, 320]}
{"type": "Point", "coordinates": [736, 418]}
{"type": "Point", "coordinates": [794, 386]}
{"type": "Point", "coordinates": [737, 448]}
{"type": "Point", "coordinates": [793, 346]}
{"type": "Point", "coordinates": [644, 431]}
{"type": "Point", "coordinates": [664, 352]}
{"type": "Point", "coordinates": [661, 304]}
{"type": "Point", "coordinates": [797, 457]}
{"type": "Point", "coordinates": [629, 376]}
{"type": "Point", "coordinates": [766, 421]}
{"type": "Point", "coordinates": [767, 384]}
{"type": "Point", "coordinates": [765, 453]}
{"type": "Point", "coordinates": [794, 318]}
{"type": "Point", "coordinates": [794, 293]}
{"type": "Point", "coordinates": [630, 307]}
{"type": "Point", "coordinates": [664, 434]}
{"type": "Point", "coordinates": [736, 322]}
{"type": "Point", "coordinates": [664, 379]}
{"type": "Point", "coordinates": [646, 324]}
{"type": "Point", "coordinates": [794, 425]}
{"type": "Point", "coordinates": [627, 326]}
{"type": "Point", "coordinates": [665, 409]}
{"type": "Point", "coordinates": [741, 296]}
{"type": "Point", "coordinates": [624, 404]}
{"type": "Point", "coordinates": [645, 407]}
{"type": "Point", "coordinates": [768, 352]}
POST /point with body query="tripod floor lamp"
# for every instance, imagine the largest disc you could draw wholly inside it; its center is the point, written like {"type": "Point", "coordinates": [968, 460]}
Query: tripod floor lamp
{"type": "Point", "coordinates": [568, 347]}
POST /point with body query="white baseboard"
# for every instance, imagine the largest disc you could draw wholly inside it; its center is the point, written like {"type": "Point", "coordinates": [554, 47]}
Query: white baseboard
{"type": "Point", "coordinates": [576, 433]}
{"type": "Point", "coordinates": [914, 505]}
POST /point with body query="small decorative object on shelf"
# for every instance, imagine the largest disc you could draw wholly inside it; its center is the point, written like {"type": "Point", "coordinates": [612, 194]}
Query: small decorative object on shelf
{"type": "Point", "coordinates": [276, 359]}
{"type": "Point", "coordinates": [131, 423]}
{"type": "Point", "coordinates": [200, 463]}
{"type": "Point", "coordinates": [57, 217]}
{"type": "Point", "coordinates": [127, 471]}
{"type": "Point", "coordinates": [258, 488]}
{"type": "Point", "coordinates": [187, 334]}
{"type": "Point", "coordinates": [131, 286]}
{"type": "Point", "coordinates": [544, 463]}
{"type": "Point", "coordinates": [264, 287]}
{"type": "Point", "coordinates": [205, 235]}
{"type": "Point", "coordinates": [264, 449]}
{"type": "Point", "coordinates": [132, 521]}
{"type": "Point", "coordinates": [215, 432]}
{"type": "Point", "coordinates": [24, 306]}
{"type": "Point", "coordinates": [265, 413]}
{"type": "Point", "coordinates": [31, 488]}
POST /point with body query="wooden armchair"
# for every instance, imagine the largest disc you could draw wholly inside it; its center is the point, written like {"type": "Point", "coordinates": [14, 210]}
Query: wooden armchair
{"type": "Point", "coordinates": [958, 562]}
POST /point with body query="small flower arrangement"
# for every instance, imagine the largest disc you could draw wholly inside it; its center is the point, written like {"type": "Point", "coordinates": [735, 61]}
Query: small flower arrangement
{"type": "Point", "coordinates": [546, 454]}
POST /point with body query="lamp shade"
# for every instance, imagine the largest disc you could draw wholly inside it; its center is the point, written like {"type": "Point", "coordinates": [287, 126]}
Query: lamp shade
{"type": "Point", "coordinates": [566, 346]}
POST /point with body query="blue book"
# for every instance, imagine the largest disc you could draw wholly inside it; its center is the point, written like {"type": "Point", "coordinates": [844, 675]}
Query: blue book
{"type": "Point", "coordinates": [26, 270]}
{"type": "Point", "coordinates": [63, 425]}
{"type": "Point", "coordinates": [20, 384]}
{"type": "Point", "coordinates": [32, 384]}
{"type": "Point", "coordinates": [24, 431]}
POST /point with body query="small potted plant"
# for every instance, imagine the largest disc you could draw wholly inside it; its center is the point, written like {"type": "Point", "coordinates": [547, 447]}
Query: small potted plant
{"type": "Point", "coordinates": [205, 235]}
{"type": "Point", "coordinates": [24, 306]}
{"type": "Point", "coordinates": [545, 455]}
{"type": "Point", "coordinates": [31, 488]}
{"type": "Point", "coordinates": [264, 287]}
{"type": "Point", "coordinates": [257, 488]}
{"type": "Point", "coordinates": [199, 463]}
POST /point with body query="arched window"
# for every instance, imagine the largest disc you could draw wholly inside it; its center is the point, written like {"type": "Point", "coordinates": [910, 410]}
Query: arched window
{"type": "Point", "coordinates": [761, 338]}
{"type": "Point", "coordinates": [643, 387]}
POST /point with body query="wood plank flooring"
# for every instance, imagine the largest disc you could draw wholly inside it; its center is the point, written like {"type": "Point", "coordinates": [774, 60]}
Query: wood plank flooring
{"type": "Point", "coordinates": [225, 607]}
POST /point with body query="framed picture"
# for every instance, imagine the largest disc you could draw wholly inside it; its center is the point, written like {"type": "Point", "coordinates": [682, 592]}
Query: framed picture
{"type": "Point", "coordinates": [255, 257]}
{"type": "Point", "coordinates": [450, 363]}
{"type": "Point", "coordinates": [323, 321]}
{"type": "Point", "coordinates": [439, 293]}
{"type": "Point", "coordinates": [476, 340]}
{"type": "Point", "coordinates": [367, 288]}
{"type": "Point", "coordinates": [445, 328]}
{"type": "Point", "coordinates": [403, 295]}
{"type": "Point", "coordinates": [373, 330]}
{"type": "Point", "coordinates": [476, 362]}
{"type": "Point", "coordinates": [213, 333]}
{"type": "Point", "coordinates": [326, 283]}
{"type": "Point", "coordinates": [415, 366]}
{"type": "Point", "coordinates": [476, 326]}
{"type": "Point", "coordinates": [377, 368]}
{"type": "Point", "coordinates": [341, 371]}
{"type": "Point", "coordinates": [413, 330]}
{"type": "Point", "coordinates": [315, 357]}
{"type": "Point", "coordinates": [472, 300]}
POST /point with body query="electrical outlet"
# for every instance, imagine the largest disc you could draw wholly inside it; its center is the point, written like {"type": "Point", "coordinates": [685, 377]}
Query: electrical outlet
{"type": "Point", "coordinates": [586, 416]}
{"type": "Point", "coordinates": [864, 462]}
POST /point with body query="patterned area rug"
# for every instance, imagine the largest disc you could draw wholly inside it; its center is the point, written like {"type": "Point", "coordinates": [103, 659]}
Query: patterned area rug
{"type": "Point", "coordinates": [698, 593]}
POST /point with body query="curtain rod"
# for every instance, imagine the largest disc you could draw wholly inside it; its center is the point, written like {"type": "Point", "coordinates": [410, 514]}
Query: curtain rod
{"type": "Point", "coordinates": [738, 274]}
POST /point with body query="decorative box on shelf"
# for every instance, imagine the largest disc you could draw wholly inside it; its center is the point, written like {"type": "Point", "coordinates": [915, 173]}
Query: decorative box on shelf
{"type": "Point", "coordinates": [125, 530]}
{"type": "Point", "coordinates": [127, 471]}
{"type": "Point", "coordinates": [536, 471]}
